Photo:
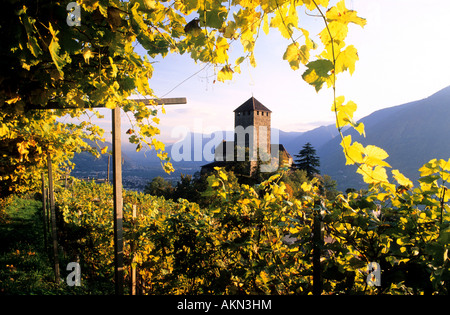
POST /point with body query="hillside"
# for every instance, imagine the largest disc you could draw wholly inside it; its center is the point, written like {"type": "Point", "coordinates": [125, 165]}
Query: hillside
{"type": "Point", "coordinates": [412, 134]}
{"type": "Point", "coordinates": [317, 137]}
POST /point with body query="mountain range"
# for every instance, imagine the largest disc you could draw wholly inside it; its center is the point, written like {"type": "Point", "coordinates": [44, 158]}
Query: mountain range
{"type": "Point", "coordinates": [412, 134]}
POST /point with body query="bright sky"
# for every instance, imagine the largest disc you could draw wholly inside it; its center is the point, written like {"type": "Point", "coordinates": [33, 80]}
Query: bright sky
{"type": "Point", "coordinates": [404, 56]}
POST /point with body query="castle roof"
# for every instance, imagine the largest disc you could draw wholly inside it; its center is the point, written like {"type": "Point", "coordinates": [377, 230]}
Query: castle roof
{"type": "Point", "coordinates": [252, 104]}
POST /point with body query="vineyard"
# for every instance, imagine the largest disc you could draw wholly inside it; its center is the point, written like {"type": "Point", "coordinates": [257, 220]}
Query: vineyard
{"type": "Point", "coordinates": [241, 239]}
{"type": "Point", "coordinates": [260, 240]}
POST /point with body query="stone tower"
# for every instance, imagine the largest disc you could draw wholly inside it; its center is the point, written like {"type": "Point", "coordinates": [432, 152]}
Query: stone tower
{"type": "Point", "coordinates": [252, 127]}
{"type": "Point", "coordinates": [252, 131]}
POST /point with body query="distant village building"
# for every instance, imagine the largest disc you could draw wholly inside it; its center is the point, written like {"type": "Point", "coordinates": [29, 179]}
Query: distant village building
{"type": "Point", "coordinates": [252, 141]}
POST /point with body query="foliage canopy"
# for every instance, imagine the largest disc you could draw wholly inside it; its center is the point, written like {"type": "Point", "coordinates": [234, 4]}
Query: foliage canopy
{"type": "Point", "coordinates": [48, 63]}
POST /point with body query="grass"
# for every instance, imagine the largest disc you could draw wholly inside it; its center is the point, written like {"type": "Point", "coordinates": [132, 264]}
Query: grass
{"type": "Point", "coordinates": [25, 264]}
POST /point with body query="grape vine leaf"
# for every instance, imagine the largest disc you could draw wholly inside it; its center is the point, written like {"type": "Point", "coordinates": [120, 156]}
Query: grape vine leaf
{"type": "Point", "coordinates": [318, 72]}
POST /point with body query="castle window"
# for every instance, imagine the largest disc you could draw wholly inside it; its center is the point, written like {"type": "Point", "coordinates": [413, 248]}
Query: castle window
{"type": "Point", "coordinates": [257, 113]}
{"type": "Point", "coordinates": [238, 113]}
{"type": "Point", "coordinates": [249, 113]}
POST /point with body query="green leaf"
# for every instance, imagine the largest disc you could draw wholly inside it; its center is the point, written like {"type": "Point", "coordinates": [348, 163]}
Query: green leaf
{"type": "Point", "coordinates": [428, 179]}
{"type": "Point", "coordinates": [32, 43]}
{"type": "Point", "coordinates": [318, 72]}
{"type": "Point", "coordinates": [214, 18]}
{"type": "Point", "coordinates": [54, 47]}
{"type": "Point", "coordinates": [239, 60]}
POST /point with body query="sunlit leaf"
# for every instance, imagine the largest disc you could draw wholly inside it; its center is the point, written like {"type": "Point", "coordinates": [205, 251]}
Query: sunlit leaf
{"type": "Point", "coordinates": [225, 74]}
{"type": "Point", "coordinates": [401, 179]}
{"type": "Point", "coordinates": [318, 72]}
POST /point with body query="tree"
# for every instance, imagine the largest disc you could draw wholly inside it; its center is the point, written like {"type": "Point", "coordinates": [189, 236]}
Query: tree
{"type": "Point", "coordinates": [307, 160]}
{"type": "Point", "coordinates": [185, 189]}
{"type": "Point", "coordinates": [159, 187]}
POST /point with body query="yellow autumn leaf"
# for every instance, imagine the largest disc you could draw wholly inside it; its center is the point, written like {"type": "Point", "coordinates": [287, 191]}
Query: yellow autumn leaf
{"type": "Point", "coordinates": [360, 128]}
{"type": "Point", "coordinates": [104, 150]}
{"type": "Point", "coordinates": [353, 152]}
{"type": "Point", "coordinates": [22, 147]}
{"type": "Point", "coordinates": [401, 179]}
{"type": "Point", "coordinates": [168, 167]}
{"type": "Point", "coordinates": [221, 50]}
{"type": "Point", "coordinates": [225, 74]}
{"type": "Point", "coordinates": [158, 145]}
{"type": "Point", "coordinates": [264, 276]}
{"type": "Point", "coordinates": [295, 53]}
{"type": "Point", "coordinates": [446, 165]}
{"type": "Point", "coordinates": [87, 55]}
{"type": "Point", "coordinates": [428, 168]}
{"type": "Point", "coordinates": [339, 100]}
{"type": "Point", "coordinates": [110, 103]}
{"type": "Point", "coordinates": [372, 175]}
{"type": "Point", "coordinates": [375, 156]}
{"type": "Point", "coordinates": [306, 186]}
{"type": "Point", "coordinates": [292, 55]}
{"type": "Point", "coordinates": [344, 113]}
{"type": "Point", "coordinates": [266, 24]}
{"type": "Point", "coordinates": [311, 5]}
{"type": "Point", "coordinates": [223, 175]}
{"type": "Point", "coordinates": [13, 100]}
{"type": "Point", "coordinates": [338, 33]}
{"type": "Point", "coordinates": [375, 152]}
{"type": "Point", "coordinates": [3, 130]}
{"type": "Point", "coordinates": [346, 60]}
{"type": "Point", "coordinates": [308, 42]}
{"type": "Point", "coordinates": [285, 19]}
{"type": "Point", "coordinates": [341, 14]}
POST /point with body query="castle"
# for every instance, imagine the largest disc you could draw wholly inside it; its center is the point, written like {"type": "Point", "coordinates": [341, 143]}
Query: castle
{"type": "Point", "coordinates": [252, 141]}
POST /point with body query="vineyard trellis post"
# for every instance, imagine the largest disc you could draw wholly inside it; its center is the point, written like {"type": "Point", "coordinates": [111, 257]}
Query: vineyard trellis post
{"type": "Point", "coordinates": [132, 250]}
{"type": "Point", "coordinates": [117, 188]}
{"type": "Point", "coordinates": [318, 242]}
{"type": "Point", "coordinates": [53, 218]}
{"type": "Point", "coordinates": [44, 209]}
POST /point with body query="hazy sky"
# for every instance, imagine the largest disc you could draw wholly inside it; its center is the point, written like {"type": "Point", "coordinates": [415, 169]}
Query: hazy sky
{"type": "Point", "coordinates": [404, 56]}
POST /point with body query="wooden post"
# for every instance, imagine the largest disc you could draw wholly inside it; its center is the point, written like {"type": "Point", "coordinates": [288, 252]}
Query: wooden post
{"type": "Point", "coordinates": [47, 192]}
{"type": "Point", "coordinates": [133, 249]}
{"type": "Point", "coordinates": [53, 218]}
{"type": "Point", "coordinates": [118, 216]}
{"type": "Point", "coordinates": [317, 249]}
{"type": "Point", "coordinates": [117, 177]}
{"type": "Point", "coordinates": [44, 210]}
{"type": "Point", "coordinates": [108, 169]}
{"type": "Point", "coordinates": [65, 178]}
